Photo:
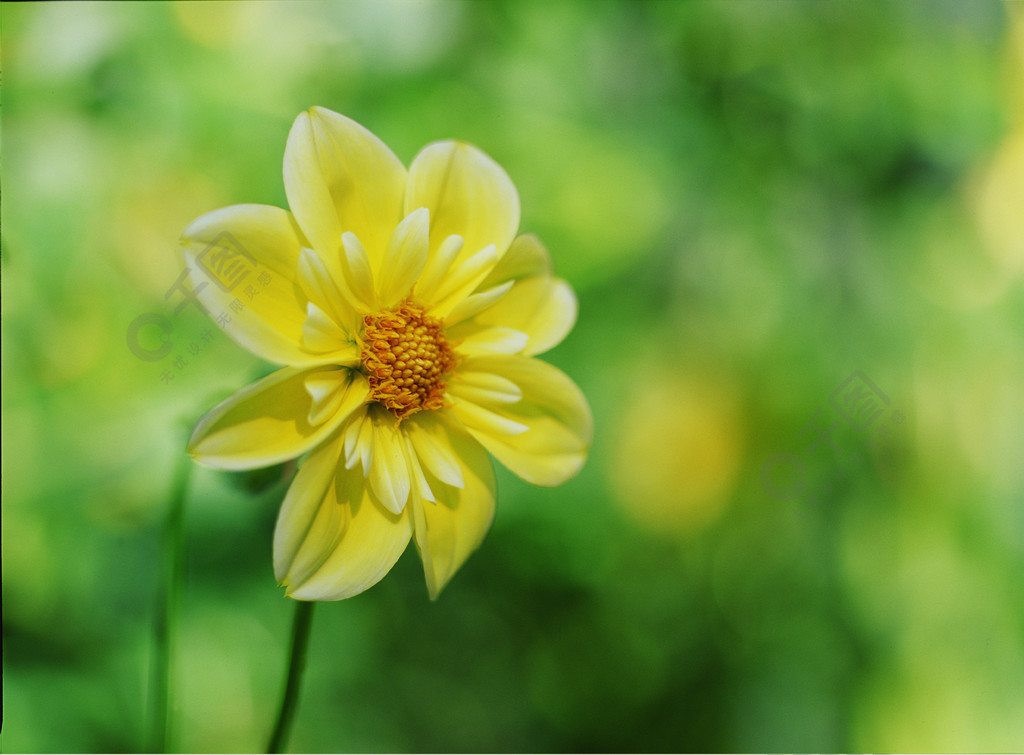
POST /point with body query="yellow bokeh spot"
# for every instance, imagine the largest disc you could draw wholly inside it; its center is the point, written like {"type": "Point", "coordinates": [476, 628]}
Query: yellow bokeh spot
{"type": "Point", "coordinates": [679, 449]}
{"type": "Point", "coordinates": [997, 200]}
{"type": "Point", "coordinates": [219, 24]}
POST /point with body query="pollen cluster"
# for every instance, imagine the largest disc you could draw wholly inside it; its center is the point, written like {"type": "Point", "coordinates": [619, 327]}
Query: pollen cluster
{"type": "Point", "coordinates": [406, 356]}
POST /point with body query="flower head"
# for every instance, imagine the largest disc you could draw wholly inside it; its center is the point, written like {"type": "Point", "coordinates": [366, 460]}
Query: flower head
{"type": "Point", "coordinates": [406, 314]}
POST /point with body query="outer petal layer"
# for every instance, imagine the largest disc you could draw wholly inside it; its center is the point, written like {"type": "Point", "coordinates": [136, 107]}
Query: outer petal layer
{"type": "Point", "coordinates": [268, 421]}
{"type": "Point", "coordinates": [448, 531]}
{"type": "Point", "coordinates": [249, 252]}
{"type": "Point", "coordinates": [541, 307]}
{"type": "Point", "coordinates": [467, 193]}
{"type": "Point", "coordinates": [557, 421]}
{"type": "Point", "coordinates": [307, 529]}
{"type": "Point", "coordinates": [526, 257]}
{"type": "Point", "coordinates": [339, 178]}
{"type": "Point", "coordinates": [333, 539]}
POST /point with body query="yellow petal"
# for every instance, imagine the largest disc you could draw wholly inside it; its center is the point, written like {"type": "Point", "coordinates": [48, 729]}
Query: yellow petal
{"type": "Point", "coordinates": [324, 283]}
{"type": "Point", "coordinates": [321, 334]}
{"type": "Point", "coordinates": [484, 388]}
{"type": "Point", "coordinates": [526, 256]}
{"type": "Point", "coordinates": [359, 441]}
{"type": "Point", "coordinates": [330, 391]}
{"type": "Point", "coordinates": [268, 421]}
{"type": "Point", "coordinates": [243, 260]}
{"type": "Point", "coordinates": [467, 193]}
{"type": "Point", "coordinates": [428, 438]}
{"type": "Point", "coordinates": [539, 305]}
{"type": "Point", "coordinates": [333, 540]}
{"type": "Point", "coordinates": [448, 531]}
{"type": "Point", "coordinates": [559, 424]}
{"type": "Point", "coordinates": [482, 340]}
{"type": "Point", "coordinates": [481, 420]}
{"type": "Point", "coordinates": [307, 531]}
{"type": "Point", "coordinates": [437, 265]}
{"type": "Point", "coordinates": [476, 303]}
{"type": "Point", "coordinates": [389, 473]}
{"type": "Point", "coordinates": [462, 278]}
{"type": "Point", "coordinates": [542, 307]}
{"type": "Point", "coordinates": [358, 272]}
{"type": "Point", "coordinates": [404, 259]}
{"type": "Point", "coordinates": [420, 486]}
{"type": "Point", "coordinates": [340, 177]}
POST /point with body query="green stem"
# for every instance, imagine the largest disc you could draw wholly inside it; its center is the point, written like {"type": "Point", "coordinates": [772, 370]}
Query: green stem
{"type": "Point", "coordinates": [167, 606]}
{"type": "Point", "coordinates": [296, 662]}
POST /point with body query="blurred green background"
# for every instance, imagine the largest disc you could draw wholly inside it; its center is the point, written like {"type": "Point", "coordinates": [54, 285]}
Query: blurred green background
{"type": "Point", "coordinates": [754, 200]}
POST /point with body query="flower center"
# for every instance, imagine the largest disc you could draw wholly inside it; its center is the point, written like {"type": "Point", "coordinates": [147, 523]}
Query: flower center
{"type": "Point", "coordinates": [406, 357]}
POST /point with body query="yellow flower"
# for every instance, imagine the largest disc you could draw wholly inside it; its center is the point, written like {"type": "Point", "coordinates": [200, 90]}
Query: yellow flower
{"type": "Point", "coordinates": [407, 314]}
